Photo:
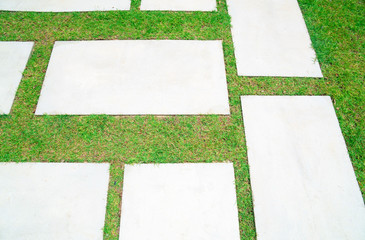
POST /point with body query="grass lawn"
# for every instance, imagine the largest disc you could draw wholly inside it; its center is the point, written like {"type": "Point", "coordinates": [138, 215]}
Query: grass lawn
{"type": "Point", "coordinates": [337, 29]}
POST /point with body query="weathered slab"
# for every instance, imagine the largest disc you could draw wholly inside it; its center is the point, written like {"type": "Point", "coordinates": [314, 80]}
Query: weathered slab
{"type": "Point", "coordinates": [271, 39]}
{"type": "Point", "coordinates": [58, 201]}
{"type": "Point", "coordinates": [303, 183]}
{"type": "Point", "coordinates": [179, 5]}
{"type": "Point", "coordinates": [135, 77]}
{"type": "Point", "coordinates": [179, 201]}
{"type": "Point", "coordinates": [13, 59]}
{"type": "Point", "coordinates": [64, 5]}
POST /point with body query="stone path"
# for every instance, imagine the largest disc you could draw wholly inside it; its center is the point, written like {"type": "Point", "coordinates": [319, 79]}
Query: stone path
{"type": "Point", "coordinates": [58, 201]}
{"type": "Point", "coordinates": [13, 59]}
{"type": "Point", "coordinates": [162, 77]}
{"type": "Point", "coordinates": [270, 39]}
{"type": "Point", "coordinates": [179, 5]}
{"type": "Point", "coordinates": [64, 5]}
{"type": "Point", "coordinates": [179, 201]}
{"type": "Point", "coordinates": [302, 179]}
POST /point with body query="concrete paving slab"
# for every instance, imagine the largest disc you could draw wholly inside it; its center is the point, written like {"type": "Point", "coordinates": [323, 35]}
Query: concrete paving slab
{"type": "Point", "coordinates": [135, 77]}
{"type": "Point", "coordinates": [64, 5]}
{"type": "Point", "coordinates": [303, 183]}
{"type": "Point", "coordinates": [179, 5]}
{"type": "Point", "coordinates": [271, 39]}
{"type": "Point", "coordinates": [179, 201]}
{"type": "Point", "coordinates": [58, 201]}
{"type": "Point", "coordinates": [13, 59]}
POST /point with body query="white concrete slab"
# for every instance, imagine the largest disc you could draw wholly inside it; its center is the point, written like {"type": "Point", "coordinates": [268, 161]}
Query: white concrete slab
{"type": "Point", "coordinates": [179, 201]}
{"type": "Point", "coordinates": [135, 77]}
{"type": "Point", "coordinates": [58, 201]}
{"type": "Point", "coordinates": [64, 5]}
{"type": "Point", "coordinates": [13, 59]}
{"type": "Point", "coordinates": [179, 5]}
{"type": "Point", "coordinates": [303, 183]}
{"type": "Point", "coordinates": [271, 39]}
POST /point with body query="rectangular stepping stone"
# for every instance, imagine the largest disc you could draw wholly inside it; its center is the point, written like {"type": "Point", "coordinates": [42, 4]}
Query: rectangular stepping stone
{"type": "Point", "coordinates": [179, 201]}
{"type": "Point", "coordinates": [302, 179]}
{"type": "Point", "coordinates": [42, 201]}
{"type": "Point", "coordinates": [13, 59]}
{"type": "Point", "coordinates": [135, 77]}
{"type": "Point", "coordinates": [271, 39]}
{"type": "Point", "coordinates": [179, 5]}
{"type": "Point", "coordinates": [64, 5]}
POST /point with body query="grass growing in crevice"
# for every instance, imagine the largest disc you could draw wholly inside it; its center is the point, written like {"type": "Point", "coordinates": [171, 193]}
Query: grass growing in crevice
{"type": "Point", "coordinates": [337, 32]}
{"type": "Point", "coordinates": [135, 5]}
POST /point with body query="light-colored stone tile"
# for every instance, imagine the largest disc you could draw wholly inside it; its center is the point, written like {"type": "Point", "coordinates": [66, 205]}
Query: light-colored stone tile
{"type": "Point", "coordinates": [271, 39]}
{"type": "Point", "coordinates": [13, 59]}
{"type": "Point", "coordinates": [58, 201]}
{"type": "Point", "coordinates": [64, 5]}
{"type": "Point", "coordinates": [179, 5]}
{"type": "Point", "coordinates": [135, 77]}
{"type": "Point", "coordinates": [303, 183]}
{"type": "Point", "coordinates": [179, 201]}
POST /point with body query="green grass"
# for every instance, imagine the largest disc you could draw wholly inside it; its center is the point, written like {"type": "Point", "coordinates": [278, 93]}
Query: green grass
{"type": "Point", "coordinates": [337, 29]}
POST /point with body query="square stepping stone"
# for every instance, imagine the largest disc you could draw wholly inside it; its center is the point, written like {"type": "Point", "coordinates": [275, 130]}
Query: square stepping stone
{"type": "Point", "coordinates": [302, 179]}
{"type": "Point", "coordinates": [179, 201]}
{"type": "Point", "coordinates": [58, 201]}
{"type": "Point", "coordinates": [64, 5]}
{"type": "Point", "coordinates": [179, 5]}
{"type": "Point", "coordinates": [13, 59]}
{"type": "Point", "coordinates": [271, 39]}
{"type": "Point", "coordinates": [135, 77]}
